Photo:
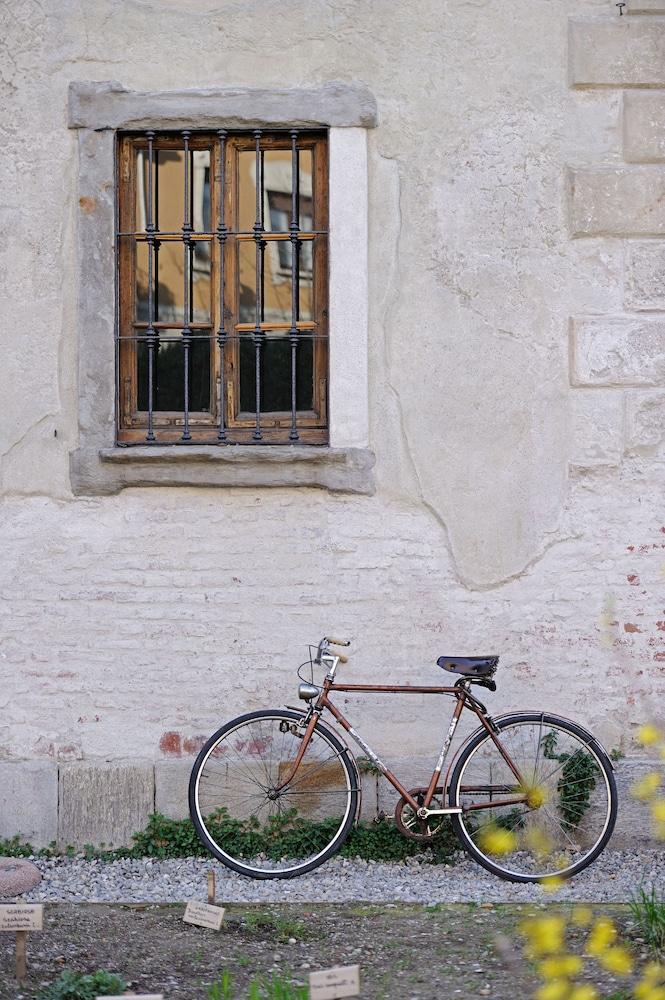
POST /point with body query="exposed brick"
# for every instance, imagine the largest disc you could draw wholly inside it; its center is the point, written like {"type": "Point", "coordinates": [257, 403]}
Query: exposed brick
{"type": "Point", "coordinates": [644, 126]}
{"type": "Point", "coordinates": [597, 422]}
{"type": "Point", "coordinates": [619, 201]}
{"type": "Point", "coordinates": [618, 350]}
{"type": "Point", "coordinates": [645, 420]}
{"type": "Point", "coordinates": [645, 276]}
{"type": "Point", "coordinates": [623, 52]}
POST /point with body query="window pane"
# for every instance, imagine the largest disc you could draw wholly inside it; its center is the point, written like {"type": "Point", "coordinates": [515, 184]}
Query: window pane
{"type": "Point", "coordinates": [276, 375]}
{"type": "Point", "coordinates": [276, 282]}
{"type": "Point", "coordinates": [276, 184]}
{"type": "Point", "coordinates": [169, 369]}
{"type": "Point", "coordinates": [169, 292]}
{"type": "Point", "coordinates": [168, 189]}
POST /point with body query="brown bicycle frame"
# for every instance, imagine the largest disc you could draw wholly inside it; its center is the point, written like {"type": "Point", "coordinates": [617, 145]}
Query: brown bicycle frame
{"type": "Point", "coordinates": [464, 700]}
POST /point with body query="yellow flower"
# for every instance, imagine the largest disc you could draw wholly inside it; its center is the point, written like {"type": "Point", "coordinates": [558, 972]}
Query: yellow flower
{"type": "Point", "coordinates": [545, 935]}
{"type": "Point", "coordinates": [538, 841]}
{"type": "Point", "coordinates": [582, 916]}
{"type": "Point", "coordinates": [658, 810]}
{"type": "Point", "coordinates": [536, 796]}
{"type": "Point", "coordinates": [617, 960]}
{"type": "Point", "coordinates": [647, 787]}
{"type": "Point", "coordinates": [584, 992]}
{"type": "Point", "coordinates": [602, 935]}
{"type": "Point", "coordinates": [553, 883]}
{"type": "Point", "coordinates": [496, 840]}
{"type": "Point", "coordinates": [652, 984]}
{"type": "Point", "coordinates": [557, 990]}
{"type": "Point", "coordinates": [647, 735]}
{"type": "Point", "coordinates": [560, 966]}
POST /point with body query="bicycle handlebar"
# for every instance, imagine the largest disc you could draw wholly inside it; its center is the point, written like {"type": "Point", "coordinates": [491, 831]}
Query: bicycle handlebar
{"type": "Point", "coordinates": [338, 642]}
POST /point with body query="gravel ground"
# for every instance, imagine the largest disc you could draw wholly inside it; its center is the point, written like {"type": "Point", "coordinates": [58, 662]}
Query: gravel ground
{"type": "Point", "coordinates": [613, 878]}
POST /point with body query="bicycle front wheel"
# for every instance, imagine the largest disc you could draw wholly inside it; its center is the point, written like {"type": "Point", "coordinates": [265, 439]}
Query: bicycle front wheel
{"type": "Point", "coordinates": [247, 816]}
{"type": "Point", "coordinates": [555, 820]}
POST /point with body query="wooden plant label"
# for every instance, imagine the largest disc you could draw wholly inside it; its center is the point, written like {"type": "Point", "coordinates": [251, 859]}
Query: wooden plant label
{"type": "Point", "coordinates": [333, 984]}
{"type": "Point", "coordinates": [17, 917]}
{"type": "Point", "coordinates": [204, 915]}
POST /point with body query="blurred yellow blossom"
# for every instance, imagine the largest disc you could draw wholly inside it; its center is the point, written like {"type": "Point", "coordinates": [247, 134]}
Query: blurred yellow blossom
{"type": "Point", "coordinates": [602, 935]}
{"type": "Point", "coordinates": [556, 990]}
{"type": "Point", "coordinates": [545, 934]}
{"type": "Point", "coordinates": [647, 735]}
{"type": "Point", "coordinates": [584, 992]}
{"type": "Point", "coordinates": [496, 840]}
{"type": "Point", "coordinates": [617, 959]}
{"type": "Point", "coordinates": [560, 966]}
{"type": "Point", "coordinates": [647, 787]}
{"type": "Point", "coordinates": [582, 916]}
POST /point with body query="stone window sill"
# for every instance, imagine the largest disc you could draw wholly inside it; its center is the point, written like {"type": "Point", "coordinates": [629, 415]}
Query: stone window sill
{"type": "Point", "coordinates": [109, 470]}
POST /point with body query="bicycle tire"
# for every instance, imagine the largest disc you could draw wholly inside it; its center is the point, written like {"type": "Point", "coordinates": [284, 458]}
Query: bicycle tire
{"type": "Point", "coordinates": [249, 867]}
{"type": "Point", "coordinates": [461, 824]}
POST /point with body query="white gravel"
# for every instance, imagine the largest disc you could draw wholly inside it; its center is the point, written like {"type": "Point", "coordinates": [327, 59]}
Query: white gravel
{"type": "Point", "coordinates": [614, 878]}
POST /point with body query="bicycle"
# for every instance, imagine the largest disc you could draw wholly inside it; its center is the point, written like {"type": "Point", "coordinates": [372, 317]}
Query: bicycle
{"type": "Point", "coordinates": [531, 796]}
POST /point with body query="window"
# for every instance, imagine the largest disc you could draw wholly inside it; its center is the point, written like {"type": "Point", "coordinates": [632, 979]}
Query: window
{"type": "Point", "coordinates": [222, 263]}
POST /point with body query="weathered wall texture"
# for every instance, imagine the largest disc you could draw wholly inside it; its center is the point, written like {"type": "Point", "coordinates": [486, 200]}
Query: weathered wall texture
{"type": "Point", "coordinates": [517, 395]}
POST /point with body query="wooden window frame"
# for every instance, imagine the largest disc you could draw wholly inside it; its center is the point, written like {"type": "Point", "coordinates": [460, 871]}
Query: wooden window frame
{"type": "Point", "coordinates": [132, 423]}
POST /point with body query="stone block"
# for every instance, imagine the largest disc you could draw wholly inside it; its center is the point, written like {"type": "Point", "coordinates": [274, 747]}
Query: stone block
{"type": "Point", "coordinates": [171, 787]}
{"type": "Point", "coordinates": [643, 6]}
{"type": "Point", "coordinates": [618, 350]}
{"type": "Point", "coordinates": [618, 201]}
{"type": "Point", "coordinates": [644, 126]}
{"type": "Point", "coordinates": [623, 52]}
{"type": "Point", "coordinates": [597, 426]}
{"type": "Point", "coordinates": [645, 421]}
{"type": "Point", "coordinates": [29, 800]}
{"type": "Point", "coordinates": [634, 828]}
{"type": "Point", "coordinates": [104, 802]}
{"type": "Point", "coordinates": [645, 276]}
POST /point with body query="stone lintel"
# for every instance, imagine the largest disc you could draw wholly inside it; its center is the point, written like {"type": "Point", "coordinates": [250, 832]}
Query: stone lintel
{"type": "Point", "coordinates": [109, 470]}
{"type": "Point", "coordinates": [109, 105]}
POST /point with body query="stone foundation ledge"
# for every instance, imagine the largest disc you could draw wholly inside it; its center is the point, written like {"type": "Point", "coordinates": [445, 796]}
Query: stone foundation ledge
{"type": "Point", "coordinates": [104, 802]}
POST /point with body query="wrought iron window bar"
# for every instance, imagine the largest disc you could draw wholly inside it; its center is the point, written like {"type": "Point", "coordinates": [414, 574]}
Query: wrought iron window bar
{"type": "Point", "coordinates": [149, 332]}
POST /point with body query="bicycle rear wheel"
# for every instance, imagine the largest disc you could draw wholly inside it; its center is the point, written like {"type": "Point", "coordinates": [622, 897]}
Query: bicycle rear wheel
{"type": "Point", "coordinates": [571, 798]}
{"type": "Point", "coordinates": [247, 820]}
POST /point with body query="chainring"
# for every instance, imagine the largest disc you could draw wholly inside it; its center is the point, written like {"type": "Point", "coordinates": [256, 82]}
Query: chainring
{"type": "Point", "coordinates": [410, 825]}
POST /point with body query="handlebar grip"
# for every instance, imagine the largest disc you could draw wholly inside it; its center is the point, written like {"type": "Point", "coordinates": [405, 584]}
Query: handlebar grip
{"type": "Point", "coordinates": [342, 658]}
{"type": "Point", "coordinates": [339, 642]}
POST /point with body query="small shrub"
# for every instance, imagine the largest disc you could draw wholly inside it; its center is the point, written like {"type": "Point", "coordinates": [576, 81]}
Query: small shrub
{"type": "Point", "coordinates": [75, 986]}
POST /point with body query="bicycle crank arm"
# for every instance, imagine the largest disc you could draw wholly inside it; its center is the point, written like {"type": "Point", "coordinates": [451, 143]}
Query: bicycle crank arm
{"type": "Point", "coordinates": [424, 813]}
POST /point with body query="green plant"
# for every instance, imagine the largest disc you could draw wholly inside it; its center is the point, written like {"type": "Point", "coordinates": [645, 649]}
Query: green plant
{"type": "Point", "coordinates": [285, 836]}
{"type": "Point", "coordinates": [221, 990]}
{"type": "Point", "coordinates": [275, 988]}
{"type": "Point", "coordinates": [577, 781]}
{"type": "Point", "coordinates": [76, 986]}
{"type": "Point", "coordinates": [616, 753]}
{"type": "Point", "coordinates": [15, 848]}
{"type": "Point", "coordinates": [648, 912]}
{"type": "Point", "coordinates": [282, 927]}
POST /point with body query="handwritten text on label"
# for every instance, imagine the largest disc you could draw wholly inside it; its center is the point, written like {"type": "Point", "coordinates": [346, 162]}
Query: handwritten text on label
{"type": "Point", "coordinates": [21, 917]}
{"type": "Point", "coordinates": [204, 915]}
{"type": "Point", "coordinates": [333, 984]}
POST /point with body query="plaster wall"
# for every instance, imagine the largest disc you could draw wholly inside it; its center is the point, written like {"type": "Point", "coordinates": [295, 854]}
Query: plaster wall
{"type": "Point", "coordinates": [519, 443]}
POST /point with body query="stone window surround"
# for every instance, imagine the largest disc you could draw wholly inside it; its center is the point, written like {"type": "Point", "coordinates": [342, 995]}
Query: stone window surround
{"type": "Point", "coordinates": [98, 465]}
